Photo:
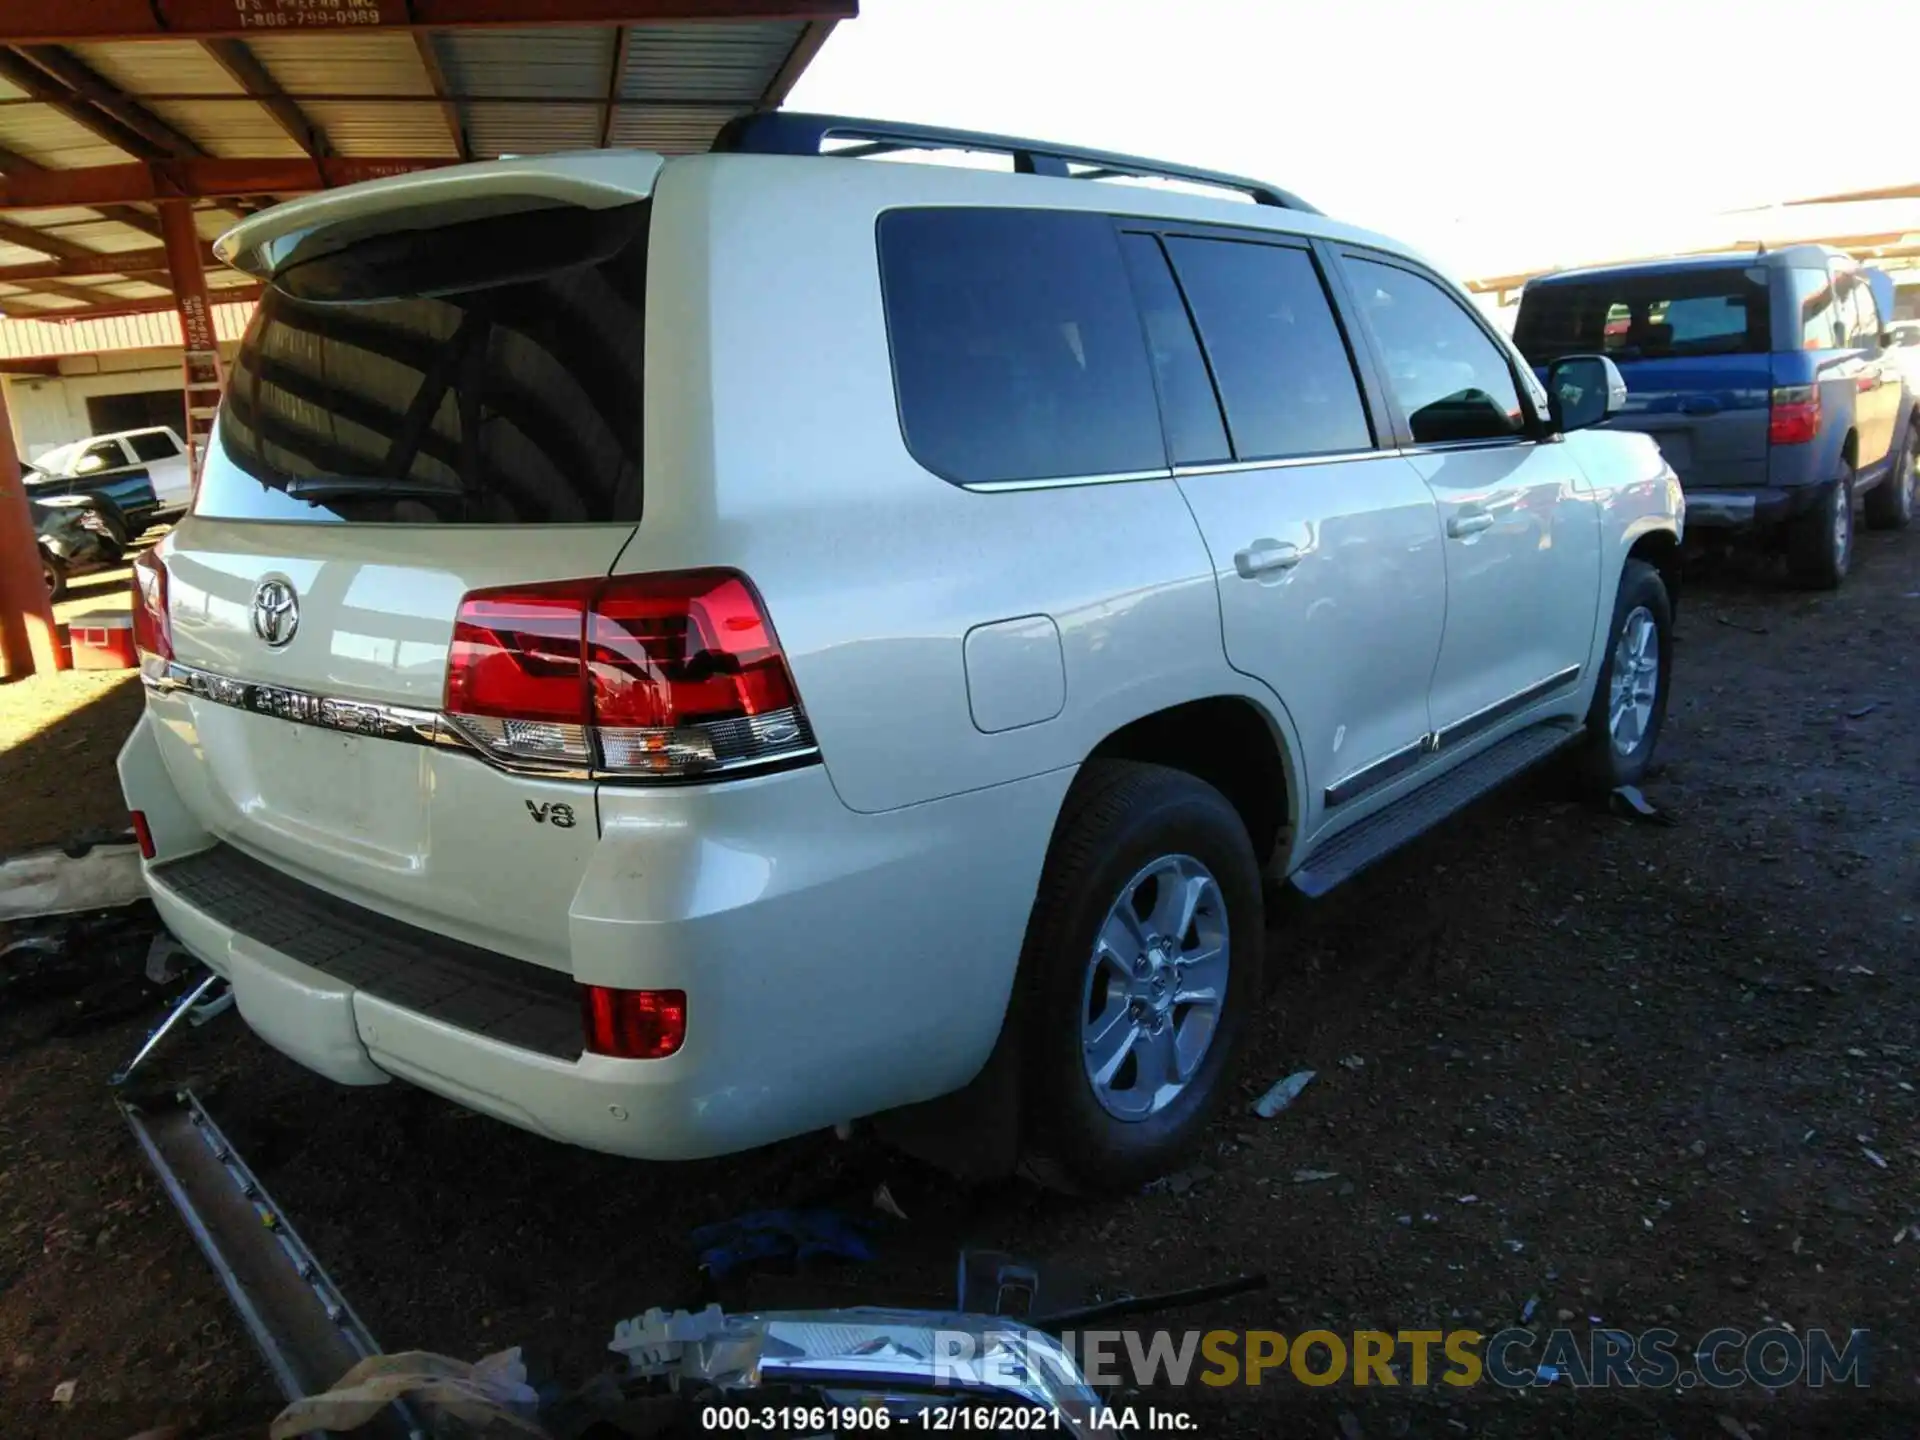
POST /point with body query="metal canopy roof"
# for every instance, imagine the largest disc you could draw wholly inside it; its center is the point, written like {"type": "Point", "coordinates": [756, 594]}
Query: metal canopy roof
{"type": "Point", "coordinates": [108, 106]}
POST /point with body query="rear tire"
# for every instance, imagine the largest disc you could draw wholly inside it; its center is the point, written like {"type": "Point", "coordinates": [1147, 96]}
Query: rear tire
{"type": "Point", "coordinates": [1820, 542]}
{"type": "Point", "coordinates": [1889, 504]}
{"type": "Point", "coordinates": [1102, 991]}
{"type": "Point", "coordinates": [53, 574]}
{"type": "Point", "coordinates": [1630, 698]}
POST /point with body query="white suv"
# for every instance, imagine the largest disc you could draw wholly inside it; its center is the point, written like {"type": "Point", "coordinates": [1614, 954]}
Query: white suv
{"type": "Point", "coordinates": [678, 653]}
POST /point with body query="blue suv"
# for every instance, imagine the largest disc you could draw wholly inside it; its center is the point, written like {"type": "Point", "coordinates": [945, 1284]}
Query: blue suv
{"type": "Point", "coordinates": [1765, 379]}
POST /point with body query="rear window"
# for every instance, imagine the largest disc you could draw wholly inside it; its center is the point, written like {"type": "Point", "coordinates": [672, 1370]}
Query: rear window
{"type": "Point", "coordinates": [1017, 350]}
{"type": "Point", "coordinates": [1647, 317]}
{"type": "Point", "coordinates": [487, 372]}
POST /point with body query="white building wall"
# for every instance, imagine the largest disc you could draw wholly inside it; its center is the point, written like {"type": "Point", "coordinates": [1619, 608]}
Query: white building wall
{"type": "Point", "coordinates": [51, 410]}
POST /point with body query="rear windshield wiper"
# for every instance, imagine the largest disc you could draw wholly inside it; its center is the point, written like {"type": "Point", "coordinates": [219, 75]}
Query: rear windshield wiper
{"type": "Point", "coordinates": [316, 488]}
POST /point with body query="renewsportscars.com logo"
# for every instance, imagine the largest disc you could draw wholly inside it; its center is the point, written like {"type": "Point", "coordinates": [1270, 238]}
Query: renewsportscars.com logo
{"type": "Point", "coordinates": [1657, 1359]}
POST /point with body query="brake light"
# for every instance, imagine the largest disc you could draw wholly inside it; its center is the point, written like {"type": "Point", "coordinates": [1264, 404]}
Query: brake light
{"type": "Point", "coordinates": [633, 1024]}
{"type": "Point", "coordinates": [143, 834]}
{"type": "Point", "coordinates": [152, 625]}
{"type": "Point", "coordinates": [664, 676]}
{"type": "Point", "coordinates": [1795, 417]}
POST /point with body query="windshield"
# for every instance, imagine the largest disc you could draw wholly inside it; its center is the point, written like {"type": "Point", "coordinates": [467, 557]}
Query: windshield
{"type": "Point", "coordinates": [1646, 317]}
{"type": "Point", "coordinates": [56, 460]}
{"type": "Point", "coordinates": [482, 373]}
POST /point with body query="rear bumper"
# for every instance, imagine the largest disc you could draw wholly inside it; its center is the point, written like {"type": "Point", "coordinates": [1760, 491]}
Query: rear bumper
{"type": "Point", "coordinates": [1756, 509]}
{"type": "Point", "coordinates": [836, 964]}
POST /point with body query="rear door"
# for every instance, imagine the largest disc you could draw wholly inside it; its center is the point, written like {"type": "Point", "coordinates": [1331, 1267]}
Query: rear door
{"type": "Point", "coordinates": [1876, 406]}
{"type": "Point", "coordinates": [1325, 545]}
{"type": "Point", "coordinates": [1694, 346]}
{"type": "Point", "coordinates": [410, 417]}
{"type": "Point", "coordinates": [166, 464]}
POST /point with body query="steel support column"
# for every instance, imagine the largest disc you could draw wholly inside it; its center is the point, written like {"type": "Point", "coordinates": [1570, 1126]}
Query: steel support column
{"type": "Point", "coordinates": [28, 640]}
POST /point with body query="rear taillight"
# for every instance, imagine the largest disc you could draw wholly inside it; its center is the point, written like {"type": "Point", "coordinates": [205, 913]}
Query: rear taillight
{"type": "Point", "coordinates": [1795, 417]}
{"type": "Point", "coordinates": [143, 834]}
{"type": "Point", "coordinates": [633, 1024]}
{"type": "Point", "coordinates": [668, 676]}
{"type": "Point", "coordinates": [152, 628]}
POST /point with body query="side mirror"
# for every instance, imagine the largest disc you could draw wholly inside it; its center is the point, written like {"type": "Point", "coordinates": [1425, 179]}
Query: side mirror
{"type": "Point", "coordinates": [88, 464]}
{"type": "Point", "coordinates": [1583, 391]}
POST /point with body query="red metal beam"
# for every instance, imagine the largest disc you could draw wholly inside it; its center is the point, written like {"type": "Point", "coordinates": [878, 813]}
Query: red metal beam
{"type": "Point", "coordinates": [153, 180]}
{"type": "Point", "coordinates": [96, 262]}
{"type": "Point", "coordinates": [812, 37]}
{"type": "Point", "coordinates": [91, 94]}
{"type": "Point", "coordinates": [244, 66]}
{"type": "Point", "coordinates": [231, 295]}
{"type": "Point", "coordinates": [59, 22]}
{"type": "Point", "coordinates": [28, 639]}
{"type": "Point", "coordinates": [451, 110]}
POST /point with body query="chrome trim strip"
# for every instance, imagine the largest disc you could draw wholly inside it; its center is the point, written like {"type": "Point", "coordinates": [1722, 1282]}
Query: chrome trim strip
{"type": "Point", "coordinates": [1491, 715]}
{"type": "Point", "coordinates": [1285, 462]}
{"type": "Point", "coordinates": [1376, 773]}
{"type": "Point", "coordinates": [1454, 447]}
{"type": "Point", "coordinates": [408, 725]}
{"type": "Point", "coordinates": [1118, 477]}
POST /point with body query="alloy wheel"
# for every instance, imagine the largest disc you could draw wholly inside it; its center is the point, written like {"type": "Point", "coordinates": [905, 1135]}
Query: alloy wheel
{"type": "Point", "coordinates": [1636, 680]}
{"type": "Point", "coordinates": [1155, 984]}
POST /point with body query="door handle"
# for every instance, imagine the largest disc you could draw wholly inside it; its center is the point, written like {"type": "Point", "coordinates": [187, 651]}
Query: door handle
{"type": "Point", "coordinates": [1463, 523]}
{"type": "Point", "coordinates": [1264, 557]}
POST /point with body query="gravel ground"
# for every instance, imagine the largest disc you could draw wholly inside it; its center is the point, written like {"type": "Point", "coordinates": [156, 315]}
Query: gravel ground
{"type": "Point", "coordinates": [1662, 1061]}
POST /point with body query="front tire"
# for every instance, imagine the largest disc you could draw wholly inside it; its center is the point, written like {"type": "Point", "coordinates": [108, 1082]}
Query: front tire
{"type": "Point", "coordinates": [1820, 542]}
{"type": "Point", "coordinates": [1140, 971]}
{"type": "Point", "coordinates": [1630, 700]}
{"type": "Point", "coordinates": [1889, 504]}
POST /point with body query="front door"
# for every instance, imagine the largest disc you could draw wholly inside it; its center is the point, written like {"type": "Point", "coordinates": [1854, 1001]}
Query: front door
{"type": "Point", "coordinates": [1522, 533]}
{"type": "Point", "coordinates": [1876, 405]}
{"type": "Point", "coordinates": [1325, 545]}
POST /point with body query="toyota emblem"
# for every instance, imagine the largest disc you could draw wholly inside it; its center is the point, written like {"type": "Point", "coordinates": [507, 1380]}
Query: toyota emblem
{"type": "Point", "coordinates": [276, 612]}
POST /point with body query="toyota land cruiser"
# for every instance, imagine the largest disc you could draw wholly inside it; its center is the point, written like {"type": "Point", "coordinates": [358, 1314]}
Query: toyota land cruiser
{"type": "Point", "coordinates": [676, 653]}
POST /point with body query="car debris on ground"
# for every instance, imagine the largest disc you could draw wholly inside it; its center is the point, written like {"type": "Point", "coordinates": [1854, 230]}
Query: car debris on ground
{"type": "Point", "coordinates": [1283, 1094]}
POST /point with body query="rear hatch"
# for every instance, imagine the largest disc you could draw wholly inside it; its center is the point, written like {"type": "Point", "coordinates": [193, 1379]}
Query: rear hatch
{"type": "Point", "coordinates": [440, 392]}
{"type": "Point", "coordinates": [1694, 346]}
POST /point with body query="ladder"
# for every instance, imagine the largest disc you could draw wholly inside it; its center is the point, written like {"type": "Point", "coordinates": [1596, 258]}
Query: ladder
{"type": "Point", "coordinates": [205, 380]}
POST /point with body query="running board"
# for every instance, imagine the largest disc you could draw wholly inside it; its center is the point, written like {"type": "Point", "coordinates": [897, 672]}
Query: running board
{"type": "Point", "coordinates": [1415, 813]}
{"type": "Point", "coordinates": [305, 1330]}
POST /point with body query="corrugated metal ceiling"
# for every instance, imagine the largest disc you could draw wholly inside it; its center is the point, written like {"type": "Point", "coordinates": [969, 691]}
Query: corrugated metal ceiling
{"type": "Point", "coordinates": [372, 94]}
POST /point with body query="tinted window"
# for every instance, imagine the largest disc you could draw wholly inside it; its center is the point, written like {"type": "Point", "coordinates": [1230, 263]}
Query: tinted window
{"type": "Point", "coordinates": [1452, 381]}
{"type": "Point", "coordinates": [1191, 410]}
{"type": "Point", "coordinates": [1283, 369]}
{"type": "Point", "coordinates": [1017, 351]}
{"type": "Point", "coordinates": [1819, 316]}
{"type": "Point", "coordinates": [1646, 317]}
{"type": "Point", "coordinates": [482, 373]}
{"type": "Point", "coordinates": [1866, 314]}
{"type": "Point", "coordinates": [153, 445]}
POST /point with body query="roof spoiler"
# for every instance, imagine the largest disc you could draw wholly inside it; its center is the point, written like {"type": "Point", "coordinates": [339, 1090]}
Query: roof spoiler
{"type": "Point", "coordinates": [594, 180]}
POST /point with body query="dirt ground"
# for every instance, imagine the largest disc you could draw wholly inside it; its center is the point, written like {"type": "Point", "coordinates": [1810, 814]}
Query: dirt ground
{"type": "Point", "coordinates": [56, 728]}
{"type": "Point", "coordinates": [1660, 1061]}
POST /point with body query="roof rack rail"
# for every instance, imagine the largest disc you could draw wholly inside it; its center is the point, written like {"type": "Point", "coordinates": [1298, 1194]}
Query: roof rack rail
{"type": "Point", "coordinates": [786, 132]}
